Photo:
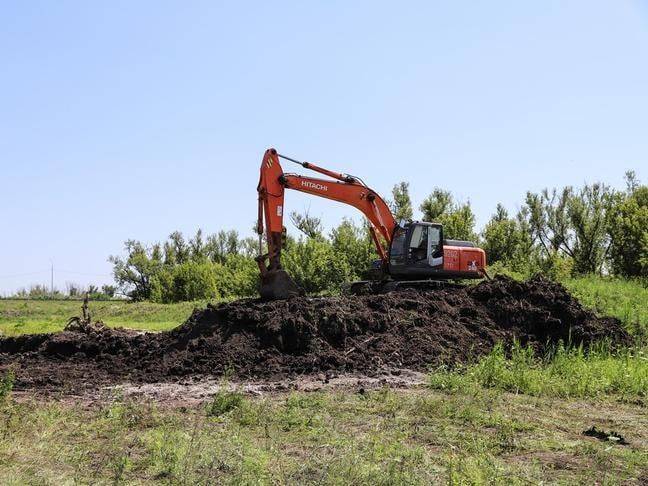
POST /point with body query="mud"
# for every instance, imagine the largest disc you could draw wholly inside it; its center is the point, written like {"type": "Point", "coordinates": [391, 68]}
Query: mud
{"type": "Point", "coordinates": [370, 335]}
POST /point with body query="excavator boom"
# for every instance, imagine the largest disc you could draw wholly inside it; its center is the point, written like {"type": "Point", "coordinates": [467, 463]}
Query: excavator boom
{"type": "Point", "coordinates": [275, 282]}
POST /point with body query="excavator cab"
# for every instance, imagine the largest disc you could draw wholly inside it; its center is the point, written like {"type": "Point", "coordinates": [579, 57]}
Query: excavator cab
{"type": "Point", "coordinates": [419, 251]}
{"type": "Point", "coordinates": [416, 250]}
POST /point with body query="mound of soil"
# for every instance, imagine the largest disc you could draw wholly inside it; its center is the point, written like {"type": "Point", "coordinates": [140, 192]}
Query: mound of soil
{"type": "Point", "coordinates": [409, 329]}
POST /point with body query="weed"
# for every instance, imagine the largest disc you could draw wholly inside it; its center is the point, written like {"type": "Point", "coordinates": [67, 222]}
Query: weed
{"type": "Point", "coordinates": [6, 386]}
{"type": "Point", "coordinates": [224, 401]}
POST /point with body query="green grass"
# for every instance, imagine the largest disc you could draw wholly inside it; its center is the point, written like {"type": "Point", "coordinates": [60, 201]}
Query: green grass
{"type": "Point", "coordinates": [625, 299]}
{"type": "Point", "coordinates": [565, 373]}
{"type": "Point", "coordinates": [34, 316]}
{"type": "Point", "coordinates": [418, 436]}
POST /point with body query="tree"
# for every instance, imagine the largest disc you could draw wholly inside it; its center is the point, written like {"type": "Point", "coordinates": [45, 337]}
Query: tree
{"type": "Point", "coordinates": [503, 238]}
{"type": "Point", "coordinates": [571, 223]}
{"type": "Point", "coordinates": [222, 244]}
{"type": "Point", "coordinates": [197, 247]}
{"type": "Point", "coordinates": [314, 265]}
{"type": "Point", "coordinates": [436, 204]}
{"type": "Point", "coordinates": [108, 290]}
{"type": "Point", "coordinates": [353, 244]}
{"type": "Point", "coordinates": [307, 224]}
{"type": "Point", "coordinates": [188, 281]}
{"type": "Point", "coordinates": [402, 205]}
{"type": "Point", "coordinates": [628, 230]}
{"type": "Point", "coordinates": [458, 220]}
{"type": "Point", "coordinates": [179, 247]}
{"type": "Point", "coordinates": [133, 273]}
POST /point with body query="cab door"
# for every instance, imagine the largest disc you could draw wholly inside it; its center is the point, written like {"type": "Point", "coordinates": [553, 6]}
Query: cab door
{"type": "Point", "coordinates": [435, 246]}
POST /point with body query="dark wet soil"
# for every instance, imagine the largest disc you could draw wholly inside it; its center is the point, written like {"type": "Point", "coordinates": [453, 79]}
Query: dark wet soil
{"type": "Point", "coordinates": [368, 334]}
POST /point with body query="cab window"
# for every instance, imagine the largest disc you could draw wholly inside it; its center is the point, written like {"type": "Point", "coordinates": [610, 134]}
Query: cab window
{"type": "Point", "coordinates": [418, 243]}
{"type": "Point", "coordinates": [434, 233]}
{"type": "Point", "coordinates": [397, 250]}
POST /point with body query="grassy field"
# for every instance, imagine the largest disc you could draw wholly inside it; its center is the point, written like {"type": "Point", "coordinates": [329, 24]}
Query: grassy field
{"type": "Point", "coordinates": [34, 316]}
{"type": "Point", "coordinates": [470, 435]}
{"type": "Point", "coordinates": [507, 419]}
{"type": "Point", "coordinates": [624, 299]}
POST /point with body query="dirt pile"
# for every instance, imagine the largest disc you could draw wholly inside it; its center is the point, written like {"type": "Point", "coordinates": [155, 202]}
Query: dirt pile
{"type": "Point", "coordinates": [409, 329]}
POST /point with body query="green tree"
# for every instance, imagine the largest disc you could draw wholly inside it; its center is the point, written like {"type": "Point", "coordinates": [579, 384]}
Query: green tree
{"type": "Point", "coordinates": [133, 273]}
{"type": "Point", "coordinates": [402, 203]}
{"type": "Point", "coordinates": [221, 245]}
{"type": "Point", "coordinates": [193, 281]}
{"type": "Point", "coordinates": [314, 265]}
{"type": "Point", "coordinates": [503, 238]}
{"type": "Point", "coordinates": [458, 220]}
{"type": "Point", "coordinates": [353, 244]}
{"type": "Point", "coordinates": [572, 224]}
{"type": "Point", "coordinates": [307, 224]}
{"type": "Point", "coordinates": [438, 203]}
{"type": "Point", "coordinates": [628, 230]}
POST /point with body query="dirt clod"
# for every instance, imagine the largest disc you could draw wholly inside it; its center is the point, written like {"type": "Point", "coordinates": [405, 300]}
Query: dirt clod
{"type": "Point", "coordinates": [368, 334]}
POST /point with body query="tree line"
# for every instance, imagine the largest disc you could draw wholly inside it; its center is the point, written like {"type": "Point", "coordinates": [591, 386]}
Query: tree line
{"type": "Point", "coordinates": [560, 232]}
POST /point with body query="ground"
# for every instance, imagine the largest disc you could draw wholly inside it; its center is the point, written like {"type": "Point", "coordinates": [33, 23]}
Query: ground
{"type": "Point", "coordinates": [414, 435]}
{"type": "Point", "coordinates": [504, 419]}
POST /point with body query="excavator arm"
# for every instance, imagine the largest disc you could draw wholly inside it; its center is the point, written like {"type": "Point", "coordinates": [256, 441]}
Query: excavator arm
{"type": "Point", "coordinates": [273, 182]}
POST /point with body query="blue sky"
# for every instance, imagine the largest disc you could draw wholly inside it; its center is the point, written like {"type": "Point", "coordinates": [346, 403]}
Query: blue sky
{"type": "Point", "coordinates": [133, 119]}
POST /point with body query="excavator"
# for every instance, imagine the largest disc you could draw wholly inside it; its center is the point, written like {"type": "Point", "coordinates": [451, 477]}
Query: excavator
{"type": "Point", "coordinates": [413, 254]}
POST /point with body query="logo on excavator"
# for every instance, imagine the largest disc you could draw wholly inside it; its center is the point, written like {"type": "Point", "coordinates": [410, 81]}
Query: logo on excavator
{"type": "Point", "coordinates": [313, 185]}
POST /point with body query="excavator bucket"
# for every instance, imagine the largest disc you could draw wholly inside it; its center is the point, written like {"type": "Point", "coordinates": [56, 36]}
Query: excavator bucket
{"type": "Point", "coordinates": [277, 285]}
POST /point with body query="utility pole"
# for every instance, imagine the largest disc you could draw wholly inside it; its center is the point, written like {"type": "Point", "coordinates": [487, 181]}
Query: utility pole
{"type": "Point", "coordinates": [52, 282]}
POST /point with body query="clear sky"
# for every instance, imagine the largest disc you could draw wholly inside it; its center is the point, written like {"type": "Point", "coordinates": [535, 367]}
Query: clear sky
{"type": "Point", "coordinates": [127, 119]}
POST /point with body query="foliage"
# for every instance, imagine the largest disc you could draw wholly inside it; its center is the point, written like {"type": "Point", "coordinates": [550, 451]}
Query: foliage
{"type": "Point", "coordinates": [224, 401]}
{"type": "Point", "coordinates": [402, 204]}
{"type": "Point", "coordinates": [628, 230]}
{"type": "Point", "coordinates": [507, 239]}
{"type": "Point", "coordinates": [140, 265]}
{"type": "Point", "coordinates": [307, 224]}
{"type": "Point", "coordinates": [353, 244]}
{"type": "Point", "coordinates": [571, 223]}
{"type": "Point", "coordinates": [190, 280]}
{"type": "Point", "coordinates": [458, 219]}
{"type": "Point", "coordinates": [561, 232]}
{"type": "Point", "coordinates": [6, 386]}
{"type": "Point", "coordinates": [314, 265]}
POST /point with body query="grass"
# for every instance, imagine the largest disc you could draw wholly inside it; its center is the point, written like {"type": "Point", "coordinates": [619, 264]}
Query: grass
{"type": "Point", "coordinates": [565, 373]}
{"type": "Point", "coordinates": [416, 436]}
{"type": "Point", "coordinates": [34, 316]}
{"type": "Point", "coordinates": [625, 299]}
{"type": "Point", "coordinates": [510, 418]}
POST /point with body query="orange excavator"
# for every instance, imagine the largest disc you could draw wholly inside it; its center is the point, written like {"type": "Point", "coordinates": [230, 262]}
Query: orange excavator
{"type": "Point", "coordinates": [412, 253]}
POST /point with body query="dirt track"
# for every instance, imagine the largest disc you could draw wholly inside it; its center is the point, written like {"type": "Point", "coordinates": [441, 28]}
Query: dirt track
{"type": "Point", "coordinates": [367, 334]}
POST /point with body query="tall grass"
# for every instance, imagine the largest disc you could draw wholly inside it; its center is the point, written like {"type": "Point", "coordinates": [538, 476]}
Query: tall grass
{"type": "Point", "coordinates": [625, 299]}
{"type": "Point", "coordinates": [565, 372]}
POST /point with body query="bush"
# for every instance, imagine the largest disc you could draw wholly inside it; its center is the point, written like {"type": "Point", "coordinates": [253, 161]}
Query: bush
{"type": "Point", "coordinates": [185, 282]}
